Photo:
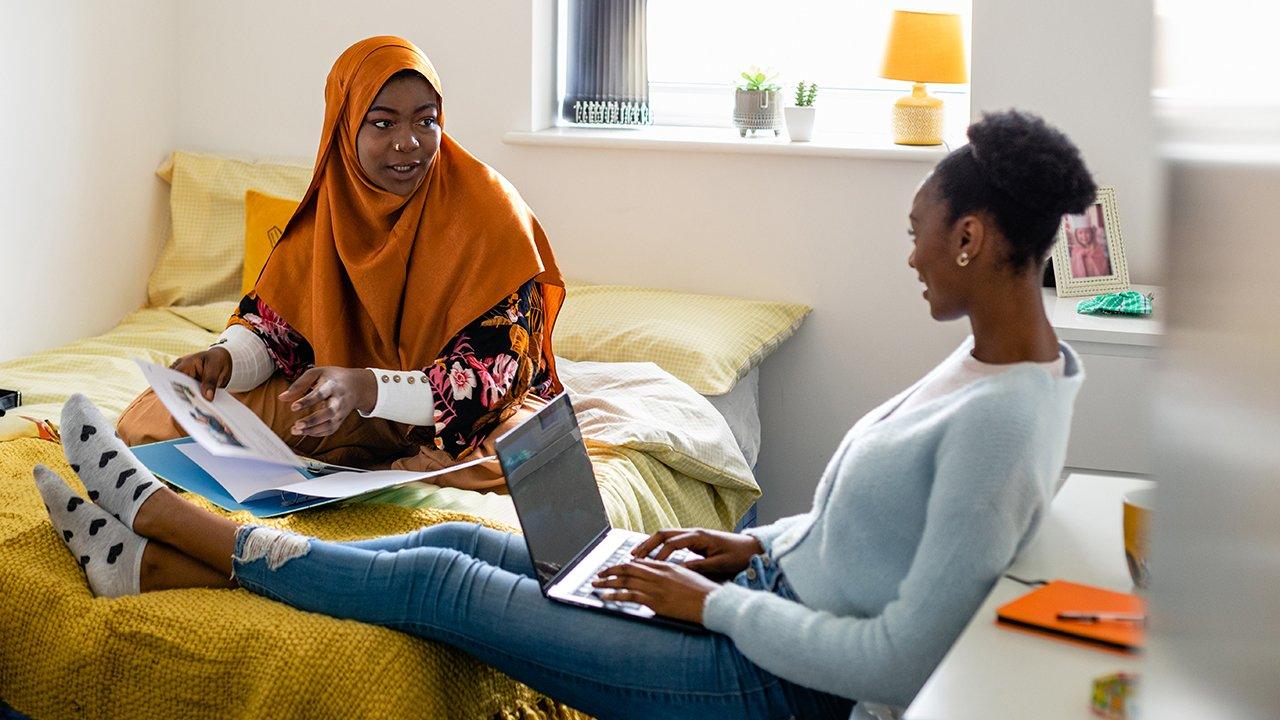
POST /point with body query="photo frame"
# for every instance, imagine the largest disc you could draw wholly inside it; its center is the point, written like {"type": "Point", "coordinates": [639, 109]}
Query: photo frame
{"type": "Point", "coordinates": [1088, 255]}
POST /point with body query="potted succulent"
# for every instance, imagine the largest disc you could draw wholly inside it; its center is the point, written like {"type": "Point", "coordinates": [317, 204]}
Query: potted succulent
{"type": "Point", "coordinates": [756, 105]}
{"type": "Point", "coordinates": [800, 117]}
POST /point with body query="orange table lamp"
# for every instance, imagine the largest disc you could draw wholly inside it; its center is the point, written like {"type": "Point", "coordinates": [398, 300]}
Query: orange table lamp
{"type": "Point", "coordinates": [923, 48]}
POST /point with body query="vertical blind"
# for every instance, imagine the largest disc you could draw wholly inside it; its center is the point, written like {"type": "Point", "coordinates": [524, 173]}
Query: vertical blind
{"type": "Point", "coordinates": [606, 72]}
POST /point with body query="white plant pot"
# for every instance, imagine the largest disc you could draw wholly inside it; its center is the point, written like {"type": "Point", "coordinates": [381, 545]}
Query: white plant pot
{"type": "Point", "coordinates": [800, 123]}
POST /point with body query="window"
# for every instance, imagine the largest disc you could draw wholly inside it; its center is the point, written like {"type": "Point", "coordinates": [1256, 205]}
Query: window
{"type": "Point", "coordinates": [1215, 66]}
{"type": "Point", "coordinates": [1223, 50]}
{"type": "Point", "coordinates": [697, 48]}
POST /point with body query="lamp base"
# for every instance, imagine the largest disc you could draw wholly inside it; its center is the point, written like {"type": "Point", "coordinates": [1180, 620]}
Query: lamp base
{"type": "Point", "coordinates": [917, 118]}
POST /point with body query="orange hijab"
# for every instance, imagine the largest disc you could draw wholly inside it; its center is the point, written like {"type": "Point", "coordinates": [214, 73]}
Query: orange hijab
{"type": "Point", "coordinates": [374, 279]}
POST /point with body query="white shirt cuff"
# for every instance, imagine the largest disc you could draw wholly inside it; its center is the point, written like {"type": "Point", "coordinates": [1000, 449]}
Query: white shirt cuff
{"type": "Point", "coordinates": [250, 363]}
{"type": "Point", "coordinates": [404, 396]}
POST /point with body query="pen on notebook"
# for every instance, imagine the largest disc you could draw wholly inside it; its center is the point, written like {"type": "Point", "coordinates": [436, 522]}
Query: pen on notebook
{"type": "Point", "coordinates": [1102, 617]}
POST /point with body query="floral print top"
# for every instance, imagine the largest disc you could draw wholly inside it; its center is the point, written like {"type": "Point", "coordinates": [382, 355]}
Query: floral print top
{"type": "Point", "coordinates": [481, 376]}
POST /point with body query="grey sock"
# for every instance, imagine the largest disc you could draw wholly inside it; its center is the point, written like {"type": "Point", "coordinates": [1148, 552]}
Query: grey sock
{"type": "Point", "coordinates": [111, 473]}
{"type": "Point", "coordinates": [109, 553]}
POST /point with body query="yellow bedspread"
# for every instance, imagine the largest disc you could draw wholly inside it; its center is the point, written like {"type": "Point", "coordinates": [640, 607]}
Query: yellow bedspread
{"type": "Point", "coordinates": [214, 653]}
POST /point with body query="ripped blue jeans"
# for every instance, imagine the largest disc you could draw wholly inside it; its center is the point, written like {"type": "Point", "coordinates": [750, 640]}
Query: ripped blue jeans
{"type": "Point", "coordinates": [473, 588]}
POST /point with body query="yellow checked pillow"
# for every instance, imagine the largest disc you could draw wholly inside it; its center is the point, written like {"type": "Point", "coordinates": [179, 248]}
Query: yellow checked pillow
{"type": "Point", "coordinates": [203, 260]}
{"type": "Point", "coordinates": [264, 219]}
{"type": "Point", "coordinates": [708, 341]}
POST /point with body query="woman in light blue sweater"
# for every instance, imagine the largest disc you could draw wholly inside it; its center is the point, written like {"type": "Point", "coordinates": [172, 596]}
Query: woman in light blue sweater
{"type": "Point", "coordinates": [925, 502]}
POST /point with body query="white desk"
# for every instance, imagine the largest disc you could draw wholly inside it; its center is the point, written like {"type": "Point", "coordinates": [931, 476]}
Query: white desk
{"type": "Point", "coordinates": [992, 672]}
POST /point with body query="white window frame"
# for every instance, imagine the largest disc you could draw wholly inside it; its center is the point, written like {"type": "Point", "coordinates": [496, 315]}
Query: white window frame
{"type": "Point", "coordinates": [850, 112]}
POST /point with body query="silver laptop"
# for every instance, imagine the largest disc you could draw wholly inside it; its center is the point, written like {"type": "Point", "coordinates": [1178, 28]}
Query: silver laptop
{"type": "Point", "coordinates": [565, 526]}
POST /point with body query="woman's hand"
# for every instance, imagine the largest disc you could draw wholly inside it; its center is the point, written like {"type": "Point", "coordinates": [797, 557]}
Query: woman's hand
{"type": "Point", "coordinates": [669, 589]}
{"type": "Point", "coordinates": [212, 368]}
{"type": "Point", "coordinates": [723, 553]}
{"type": "Point", "coordinates": [331, 394]}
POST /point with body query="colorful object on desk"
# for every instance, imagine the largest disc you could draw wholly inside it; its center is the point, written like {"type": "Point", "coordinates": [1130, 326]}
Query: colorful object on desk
{"type": "Point", "coordinates": [1129, 302]}
{"type": "Point", "coordinates": [1114, 697]}
{"type": "Point", "coordinates": [1039, 609]}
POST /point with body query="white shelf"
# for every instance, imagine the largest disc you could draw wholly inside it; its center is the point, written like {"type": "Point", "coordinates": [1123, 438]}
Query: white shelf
{"type": "Point", "coordinates": [1106, 329]}
{"type": "Point", "coordinates": [726, 140]}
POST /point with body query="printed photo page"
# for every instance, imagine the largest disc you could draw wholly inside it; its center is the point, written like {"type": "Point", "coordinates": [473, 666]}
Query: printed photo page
{"type": "Point", "coordinates": [223, 426]}
{"type": "Point", "coordinates": [239, 451]}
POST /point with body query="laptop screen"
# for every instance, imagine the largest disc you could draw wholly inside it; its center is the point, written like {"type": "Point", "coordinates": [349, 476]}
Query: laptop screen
{"type": "Point", "coordinates": [553, 487]}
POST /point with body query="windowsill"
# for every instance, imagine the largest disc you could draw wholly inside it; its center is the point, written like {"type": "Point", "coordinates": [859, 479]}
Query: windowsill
{"type": "Point", "coordinates": [1218, 130]}
{"type": "Point", "coordinates": [870, 146]}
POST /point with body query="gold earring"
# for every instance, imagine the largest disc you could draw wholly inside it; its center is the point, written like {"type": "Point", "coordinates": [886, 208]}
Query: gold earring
{"type": "Point", "coordinates": [962, 259]}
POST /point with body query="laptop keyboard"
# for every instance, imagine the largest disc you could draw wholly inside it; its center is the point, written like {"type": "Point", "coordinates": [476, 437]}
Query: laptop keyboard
{"type": "Point", "coordinates": [619, 556]}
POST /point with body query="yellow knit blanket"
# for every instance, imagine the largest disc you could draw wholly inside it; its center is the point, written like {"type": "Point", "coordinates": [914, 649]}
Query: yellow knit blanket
{"type": "Point", "coordinates": [215, 653]}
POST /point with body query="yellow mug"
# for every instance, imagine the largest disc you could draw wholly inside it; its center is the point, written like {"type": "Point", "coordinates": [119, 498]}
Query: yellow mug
{"type": "Point", "coordinates": [1137, 525]}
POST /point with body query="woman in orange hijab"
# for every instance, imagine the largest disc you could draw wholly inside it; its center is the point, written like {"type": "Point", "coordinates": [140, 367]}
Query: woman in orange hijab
{"type": "Point", "coordinates": [407, 310]}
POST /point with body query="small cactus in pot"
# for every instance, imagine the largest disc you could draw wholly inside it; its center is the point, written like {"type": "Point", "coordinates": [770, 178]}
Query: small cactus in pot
{"type": "Point", "coordinates": [756, 104]}
{"type": "Point", "coordinates": [800, 117]}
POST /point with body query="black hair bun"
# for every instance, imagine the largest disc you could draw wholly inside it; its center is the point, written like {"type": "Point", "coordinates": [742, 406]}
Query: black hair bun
{"type": "Point", "coordinates": [1023, 172]}
{"type": "Point", "coordinates": [1032, 163]}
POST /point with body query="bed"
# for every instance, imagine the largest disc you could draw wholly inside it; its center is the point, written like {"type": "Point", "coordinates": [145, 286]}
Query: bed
{"type": "Point", "coordinates": [669, 411]}
{"type": "Point", "coordinates": [641, 491]}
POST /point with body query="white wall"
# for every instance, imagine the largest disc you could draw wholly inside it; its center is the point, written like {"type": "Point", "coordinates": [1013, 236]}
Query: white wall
{"type": "Point", "coordinates": [253, 73]}
{"type": "Point", "coordinates": [1086, 66]}
{"type": "Point", "coordinates": [90, 110]}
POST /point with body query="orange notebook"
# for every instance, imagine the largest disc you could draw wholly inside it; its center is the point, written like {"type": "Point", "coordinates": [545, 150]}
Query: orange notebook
{"type": "Point", "coordinates": [1038, 610]}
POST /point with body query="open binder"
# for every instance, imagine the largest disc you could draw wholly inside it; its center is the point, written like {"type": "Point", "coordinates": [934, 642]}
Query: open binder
{"type": "Point", "coordinates": [234, 460]}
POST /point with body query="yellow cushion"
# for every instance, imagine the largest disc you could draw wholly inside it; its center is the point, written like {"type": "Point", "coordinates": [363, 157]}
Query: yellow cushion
{"type": "Point", "coordinates": [203, 260]}
{"type": "Point", "coordinates": [708, 341]}
{"type": "Point", "coordinates": [264, 219]}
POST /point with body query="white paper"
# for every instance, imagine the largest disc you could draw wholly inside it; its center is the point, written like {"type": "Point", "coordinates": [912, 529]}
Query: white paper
{"type": "Point", "coordinates": [224, 427]}
{"type": "Point", "coordinates": [346, 484]}
{"type": "Point", "coordinates": [242, 479]}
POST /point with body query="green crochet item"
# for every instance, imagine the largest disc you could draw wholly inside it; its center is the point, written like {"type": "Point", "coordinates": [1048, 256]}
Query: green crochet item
{"type": "Point", "coordinates": [1129, 302]}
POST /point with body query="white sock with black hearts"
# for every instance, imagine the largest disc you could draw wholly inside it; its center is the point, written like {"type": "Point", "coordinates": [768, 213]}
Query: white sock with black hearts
{"type": "Point", "coordinates": [112, 474]}
{"type": "Point", "coordinates": [109, 553]}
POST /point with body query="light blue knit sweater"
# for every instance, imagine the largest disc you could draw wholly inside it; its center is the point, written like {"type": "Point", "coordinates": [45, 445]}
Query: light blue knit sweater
{"type": "Point", "coordinates": [915, 517]}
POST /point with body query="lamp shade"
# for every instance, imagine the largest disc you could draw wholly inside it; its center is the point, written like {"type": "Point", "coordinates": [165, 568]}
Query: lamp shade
{"type": "Point", "coordinates": [925, 48]}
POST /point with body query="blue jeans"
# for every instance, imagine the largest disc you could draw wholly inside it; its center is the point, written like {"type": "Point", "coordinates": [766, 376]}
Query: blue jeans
{"type": "Point", "coordinates": [474, 588]}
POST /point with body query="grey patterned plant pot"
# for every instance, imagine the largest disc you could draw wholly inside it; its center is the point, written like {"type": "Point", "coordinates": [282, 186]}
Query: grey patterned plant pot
{"type": "Point", "coordinates": [757, 110]}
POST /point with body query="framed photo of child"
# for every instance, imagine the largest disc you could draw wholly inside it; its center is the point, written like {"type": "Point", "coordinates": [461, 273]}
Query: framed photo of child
{"type": "Point", "coordinates": [1088, 257]}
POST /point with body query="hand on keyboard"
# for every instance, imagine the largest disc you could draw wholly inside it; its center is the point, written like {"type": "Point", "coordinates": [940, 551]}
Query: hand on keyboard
{"type": "Point", "coordinates": [679, 557]}
{"type": "Point", "coordinates": [710, 552]}
{"type": "Point", "coordinates": [665, 587]}
{"type": "Point", "coordinates": [622, 556]}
